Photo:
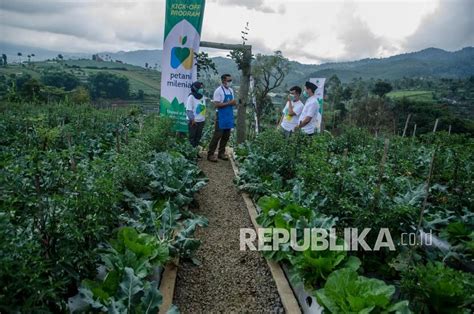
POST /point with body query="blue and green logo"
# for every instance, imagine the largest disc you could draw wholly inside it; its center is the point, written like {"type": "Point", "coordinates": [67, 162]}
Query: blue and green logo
{"type": "Point", "coordinates": [182, 55]}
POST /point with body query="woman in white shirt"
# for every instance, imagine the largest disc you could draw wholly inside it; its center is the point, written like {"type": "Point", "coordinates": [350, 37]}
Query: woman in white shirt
{"type": "Point", "coordinates": [196, 113]}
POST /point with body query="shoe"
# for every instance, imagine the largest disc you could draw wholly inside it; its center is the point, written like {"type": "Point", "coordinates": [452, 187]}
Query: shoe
{"type": "Point", "coordinates": [212, 158]}
{"type": "Point", "coordinates": [223, 157]}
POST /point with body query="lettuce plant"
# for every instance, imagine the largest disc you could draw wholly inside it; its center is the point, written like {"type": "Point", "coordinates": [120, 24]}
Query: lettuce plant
{"type": "Point", "coordinates": [347, 292]}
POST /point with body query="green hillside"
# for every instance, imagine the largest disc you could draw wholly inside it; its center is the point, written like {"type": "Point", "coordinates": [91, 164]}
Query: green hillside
{"type": "Point", "coordinates": [146, 80]}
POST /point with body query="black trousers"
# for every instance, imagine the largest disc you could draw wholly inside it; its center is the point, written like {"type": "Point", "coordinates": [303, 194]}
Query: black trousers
{"type": "Point", "coordinates": [221, 137]}
{"type": "Point", "coordinates": [195, 133]}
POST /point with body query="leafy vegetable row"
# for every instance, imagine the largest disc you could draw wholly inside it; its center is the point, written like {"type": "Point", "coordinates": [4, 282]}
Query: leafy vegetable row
{"type": "Point", "coordinates": [347, 181]}
{"type": "Point", "coordinates": [85, 189]}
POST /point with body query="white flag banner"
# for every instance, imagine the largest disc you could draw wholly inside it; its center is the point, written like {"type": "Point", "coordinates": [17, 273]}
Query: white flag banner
{"type": "Point", "coordinates": [319, 82]}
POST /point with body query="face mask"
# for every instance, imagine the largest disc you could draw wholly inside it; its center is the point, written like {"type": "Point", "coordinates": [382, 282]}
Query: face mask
{"type": "Point", "coordinates": [200, 91]}
{"type": "Point", "coordinates": [305, 93]}
{"type": "Point", "coordinates": [228, 84]}
{"type": "Point", "coordinates": [292, 97]}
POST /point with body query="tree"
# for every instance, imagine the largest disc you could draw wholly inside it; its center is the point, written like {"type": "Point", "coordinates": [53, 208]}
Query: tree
{"type": "Point", "coordinates": [243, 58]}
{"type": "Point", "coordinates": [20, 80]}
{"type": "Point", "coordinates": [374, 114]}
{"type": "Point", "coordinates": [204, 64]}
{"type": "Point", "coordinates": [108, 85]}
{"type": "Point", "coordinates": [58, 79]}
{"type": "Point", "coordinates": [4, 58]}
{"type": "Point", "coordinates": [382, 88]}
{"type": "Point", "coordinates": [19, 54]}
{"type": "Point", "coordinates": [268, 73]}
{"type": "Point", "coordinates": [347, 93]}
{"type": "Point", "coordinates": [335, 92]}
{"type": "Point", "coordinates": [60, 57]}
{"type": "Point", "coordinates": [30, 91]}
{"type": "Point", "coordinates": [80, 95]}
{"type": "Point", "coordinates": [140, 94]}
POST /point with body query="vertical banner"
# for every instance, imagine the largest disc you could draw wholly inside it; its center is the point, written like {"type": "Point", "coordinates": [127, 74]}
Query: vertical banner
{"type": "Point", "coordinates": [183, 24]}
{"type": "Point", "coordinates": [319, 82]}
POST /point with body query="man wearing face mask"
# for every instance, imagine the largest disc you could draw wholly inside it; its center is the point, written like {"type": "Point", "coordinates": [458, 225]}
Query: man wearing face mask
{"type": "Point", "coordinates": [196, 113]}
{"type": "Point", "coordinates": [308, 119]}
{"type": "Point", "coordinates": [292, 111]}
{"type": "Point", "coordinates": [224, 102]}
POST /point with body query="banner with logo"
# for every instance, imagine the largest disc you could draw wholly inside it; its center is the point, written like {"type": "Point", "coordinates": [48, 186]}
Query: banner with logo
{"type": "Point", "coordinates": [183, 24]}
{"type": "Point", "coordinates": [319, 82]}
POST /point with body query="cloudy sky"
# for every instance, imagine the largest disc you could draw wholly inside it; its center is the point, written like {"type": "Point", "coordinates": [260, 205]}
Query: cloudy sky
{"type": "Point", "coordinates": [310, 31]}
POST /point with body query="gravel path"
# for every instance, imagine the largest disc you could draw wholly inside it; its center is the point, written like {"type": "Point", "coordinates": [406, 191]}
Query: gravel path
{"type": "Point", "coordinates": [228, 280]}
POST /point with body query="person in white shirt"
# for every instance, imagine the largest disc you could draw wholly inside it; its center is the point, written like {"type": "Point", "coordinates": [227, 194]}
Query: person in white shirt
{"type": "Point", "coordinates": [224, 101]}
{"type": "Point", "coordinates": [196, 113]}
{"type": "Point", "coordinates": [308, 119]}
{"type": "Point", "coordinates": [291, 113]}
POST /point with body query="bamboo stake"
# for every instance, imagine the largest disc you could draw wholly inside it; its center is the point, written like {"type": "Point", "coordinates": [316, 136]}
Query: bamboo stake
{"type": "Point", "coordinates": [425, 202]}
{"type": "Point", "coordinates": [381, 171]}
{"type": "Point", "coordinates": [71, 156]}
{"type": "Point", "coordinates": [382, 162]}
{"type": "Point", "coordinates": [344, 168]}
{"type": "Point", "coordinates": [118, 140]}
{"type": "Point", "coordinates": [435, 126]}
{"type": "Point", "coordinates": [406, 125]}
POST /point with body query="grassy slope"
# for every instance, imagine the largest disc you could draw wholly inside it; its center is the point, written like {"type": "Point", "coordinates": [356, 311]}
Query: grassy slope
{"type": "Point", "coordinates": [419, 95]}
{"type": "Point", "coordinates": [147, 80]}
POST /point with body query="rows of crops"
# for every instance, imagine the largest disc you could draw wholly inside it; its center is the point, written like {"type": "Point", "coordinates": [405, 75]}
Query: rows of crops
{"type": "Point", "coordinates": [91, 201]}
{"type": "Point", "coordinates": [358, 181]}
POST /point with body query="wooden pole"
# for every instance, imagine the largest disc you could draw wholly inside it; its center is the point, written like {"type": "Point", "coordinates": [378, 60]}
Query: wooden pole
{"type": "Point", "coordinates": [126, 135]}
{"type": "Point", "coordinates": [117, 144]}
{"type": "Point", "coordinates": [382, 162]}
{"type": "Point", "coordinates": [414, 130]}
{"type": "Point", "coordinates": [406, 125]}
{"type": "Point", "coordinates": [435, 126]}
{"type": "Point", "coordinates": [425, 201]}
{"type": "Point", "coordinates": [381, 172]}
{"type": "Point", "coordinates": [244, 96]}
{"type": "Point", "coordinates": [449, 129]}
{"type": "Point", "coordinates": [344, 168]}
{"type": "Point", "coordinates": [210, 44]}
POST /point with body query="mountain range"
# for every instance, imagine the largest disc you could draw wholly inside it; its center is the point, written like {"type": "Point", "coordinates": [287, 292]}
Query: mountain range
{"type": "Point", "coordinates": [430, 62]}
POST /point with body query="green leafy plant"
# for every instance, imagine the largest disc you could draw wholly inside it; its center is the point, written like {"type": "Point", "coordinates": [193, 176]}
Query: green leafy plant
{"type": "Point", "coordinates": [70, 176]}
{"type": "Point", "coordinates": [128, 261]}
{"type": "Point", "coordinates": [435, 288]}
{"type": "Point", "coordinates": [126, 294]}
{"type": "Point", "coordinates": [314, 267]}
{"type": "Point", "coordinates": [139, 251]}
{"type": "Point", "coordinates": [347, 292]}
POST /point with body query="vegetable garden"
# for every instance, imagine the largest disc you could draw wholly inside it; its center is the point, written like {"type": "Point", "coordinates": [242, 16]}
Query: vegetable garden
{"type": "Point", "coordinates": [356, 180]}
{"type": "Point", "coordinates": [95, 202]}
{"type": "Point", "coordinates": [86, 191]}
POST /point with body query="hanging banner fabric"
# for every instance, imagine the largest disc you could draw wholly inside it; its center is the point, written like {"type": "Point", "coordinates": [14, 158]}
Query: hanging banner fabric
{"type": "Point", "coordinates": [319, 82]}
{"type": "Point", "coordinates": [183, 24]}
